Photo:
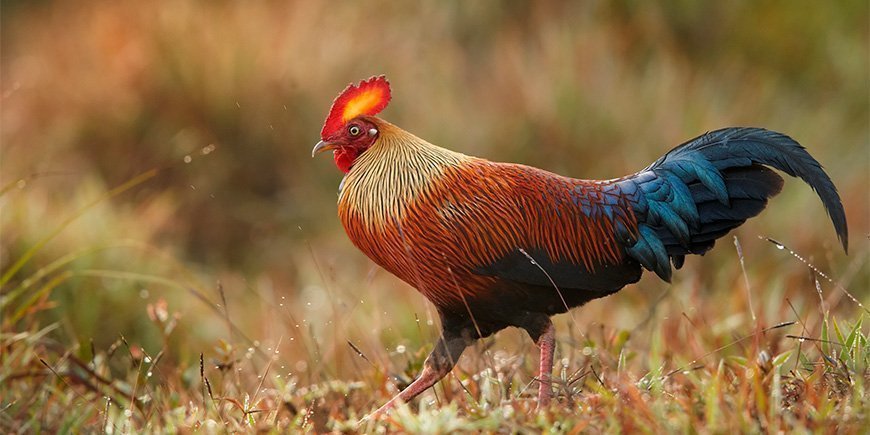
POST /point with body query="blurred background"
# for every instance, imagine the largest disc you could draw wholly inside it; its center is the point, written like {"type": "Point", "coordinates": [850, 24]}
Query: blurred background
{"type": "Point", "coordinates": [225, 100]}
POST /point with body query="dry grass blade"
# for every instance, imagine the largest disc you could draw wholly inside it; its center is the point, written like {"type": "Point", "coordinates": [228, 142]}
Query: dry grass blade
{"type": "Point", "coordinates": [794, 254]}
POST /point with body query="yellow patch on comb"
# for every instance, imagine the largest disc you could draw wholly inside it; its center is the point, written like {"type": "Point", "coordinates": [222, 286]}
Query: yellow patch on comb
{"type": "Point", "coordinates": [362, 103]}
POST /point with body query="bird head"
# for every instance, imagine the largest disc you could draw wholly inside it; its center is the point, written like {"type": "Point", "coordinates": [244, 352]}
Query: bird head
{"type": "Point", "coordinates": [351, 128]}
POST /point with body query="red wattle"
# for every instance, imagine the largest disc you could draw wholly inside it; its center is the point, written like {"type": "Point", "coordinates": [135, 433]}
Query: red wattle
{"type": "Point", "coordinates": [344, 158]}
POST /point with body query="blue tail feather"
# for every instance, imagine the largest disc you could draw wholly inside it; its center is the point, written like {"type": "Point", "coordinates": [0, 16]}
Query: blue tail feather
{"type": "Point", "coordinates": [704, 188]}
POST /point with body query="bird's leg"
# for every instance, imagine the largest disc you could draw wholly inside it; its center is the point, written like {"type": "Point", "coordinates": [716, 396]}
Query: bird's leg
{"type": "Point", "coordinates": [546, 343]}
{"type": "Point", "coordinates": [439, 363]}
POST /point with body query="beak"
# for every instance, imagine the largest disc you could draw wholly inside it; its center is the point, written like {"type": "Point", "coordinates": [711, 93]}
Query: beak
{"type": "Point", "coordinates": [321, 147]}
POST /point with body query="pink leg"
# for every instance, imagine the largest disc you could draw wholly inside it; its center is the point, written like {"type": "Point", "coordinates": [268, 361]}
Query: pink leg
{"type": "Point", "coordinates": [437, 365]}
{"type": "Point", "coordinates": [428, 378]}
{"type": "Point", "coordinates": [547, 344]}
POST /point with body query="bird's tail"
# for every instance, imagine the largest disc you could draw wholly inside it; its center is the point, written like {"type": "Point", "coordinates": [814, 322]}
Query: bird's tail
{"type": "Point", "coordinates": [704, 188]}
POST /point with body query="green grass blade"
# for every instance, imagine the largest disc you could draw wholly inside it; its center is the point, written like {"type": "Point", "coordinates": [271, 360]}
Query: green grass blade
{"type": "Point", "coordinates": [9, 297]}
{"type": "Point", "coordinates": [51, 284]}
{"type": "Point", "coordinates": [129, 184]}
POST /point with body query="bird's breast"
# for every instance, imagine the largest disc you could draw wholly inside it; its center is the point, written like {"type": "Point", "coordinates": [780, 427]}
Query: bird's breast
{"type": "Point", "coordinates": [408, 220]}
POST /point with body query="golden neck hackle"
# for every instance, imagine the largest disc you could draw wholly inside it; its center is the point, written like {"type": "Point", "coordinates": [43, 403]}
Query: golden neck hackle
{"type": "Point", "coordinates": [398, 169]}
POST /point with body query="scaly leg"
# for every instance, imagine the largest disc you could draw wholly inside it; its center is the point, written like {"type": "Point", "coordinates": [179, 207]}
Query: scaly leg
{"type": "Point", "coordinates": [547, 344]}
{"type": "Point", "coordinates": [437, 365]}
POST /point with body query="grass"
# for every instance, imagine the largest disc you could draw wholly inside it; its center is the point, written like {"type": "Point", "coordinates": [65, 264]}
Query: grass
{"type": "Point", "coordinates": [170, 260]}
{"type": "Point", "coordinates": [685, 365]}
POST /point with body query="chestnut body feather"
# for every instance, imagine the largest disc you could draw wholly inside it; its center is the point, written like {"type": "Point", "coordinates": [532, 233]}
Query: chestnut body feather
{"type": "Point", "coordinates": [443, 222]}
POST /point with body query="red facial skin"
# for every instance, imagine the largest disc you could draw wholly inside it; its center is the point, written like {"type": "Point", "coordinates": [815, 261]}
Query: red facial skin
{"type": "Point", "coordinates": [347, 146]}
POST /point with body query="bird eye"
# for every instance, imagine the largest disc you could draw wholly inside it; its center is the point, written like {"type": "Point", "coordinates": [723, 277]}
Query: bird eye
{"type": "Point", "coordinates": [354, 130]}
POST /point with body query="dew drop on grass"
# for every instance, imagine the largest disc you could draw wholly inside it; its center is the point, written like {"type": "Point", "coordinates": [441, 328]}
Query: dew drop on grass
{"type": "Point", "coordinates": [188, 159]}
{"type": "Point", "coordinates": [148, 375]}
{"type": "Point", "coordinates": [400, 348]}
{"type": "Point", "coordinates": [128, 413]}
{"type": "Point", "coordinates": [144, 293]}
{"type": "Point", "coordinates": [763, 357]}
{"type": "Point", "coordinates": [147, 359]}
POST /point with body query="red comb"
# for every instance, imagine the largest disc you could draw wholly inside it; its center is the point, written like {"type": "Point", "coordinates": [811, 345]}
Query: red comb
{"type": "Point", "coordinates": [367, 98]}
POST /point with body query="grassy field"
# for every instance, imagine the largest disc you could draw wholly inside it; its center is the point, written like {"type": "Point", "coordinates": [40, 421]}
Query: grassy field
{"type": "Point", "coordinates": [171, 259]}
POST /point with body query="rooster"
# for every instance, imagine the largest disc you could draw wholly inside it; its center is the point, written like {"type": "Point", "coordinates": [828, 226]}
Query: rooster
{"type": "Point", "coordinates": [494, 245]}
